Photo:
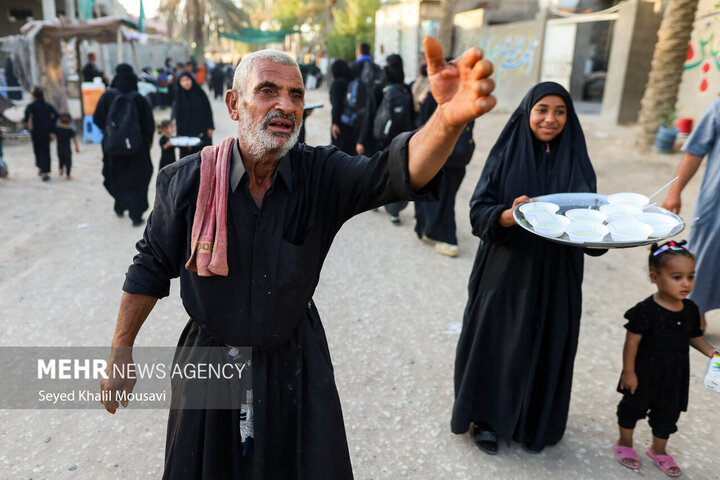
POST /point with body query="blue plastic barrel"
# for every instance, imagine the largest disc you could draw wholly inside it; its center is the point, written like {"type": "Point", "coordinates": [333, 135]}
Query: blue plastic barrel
{"type": "Point", "coordinates": [665, 139]}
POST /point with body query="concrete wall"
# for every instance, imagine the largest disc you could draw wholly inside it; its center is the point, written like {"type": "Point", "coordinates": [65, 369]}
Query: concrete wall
{"type": "Point", "coordinates": [515, 49]}
{"type": "Point", "coordinates": [400, 27]}
{"type": "Point", "coordinates": [701, 79]}
{"type": "Point", "coordinates": [634, 38]}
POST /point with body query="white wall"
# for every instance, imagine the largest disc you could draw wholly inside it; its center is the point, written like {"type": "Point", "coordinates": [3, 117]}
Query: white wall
{"type": "Point", "coordinates": [701, 78]}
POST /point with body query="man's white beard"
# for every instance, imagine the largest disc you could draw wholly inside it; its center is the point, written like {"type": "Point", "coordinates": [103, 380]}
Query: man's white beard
{"type": "Point", "coordinates": [260, 142]}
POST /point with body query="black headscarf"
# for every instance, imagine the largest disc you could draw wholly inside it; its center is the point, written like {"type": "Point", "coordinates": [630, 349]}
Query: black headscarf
{"type": "Point", "coordinates": [393, 71]}
{"type": "Point", "coordinates": [191, 109]}
{"type": "Point", "coordinates": [518, 162]}
{"type": "Point", "coordinates": [340, 69]}
{"type": "Point", "coordinates": [125, 79]}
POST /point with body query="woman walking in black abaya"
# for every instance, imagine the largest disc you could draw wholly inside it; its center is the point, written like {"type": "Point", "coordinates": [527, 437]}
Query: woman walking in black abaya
{"type": "Point", "coordinates": [127, 176]}
{"type": "Point", "coordinates": [514, 360]}
{"type": "Point", "coordinates": [192, 113]}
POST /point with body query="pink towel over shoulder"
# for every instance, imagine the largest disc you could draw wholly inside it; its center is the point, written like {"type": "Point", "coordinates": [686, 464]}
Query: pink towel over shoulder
{"type": "Point", "coordinates": [208, 247]}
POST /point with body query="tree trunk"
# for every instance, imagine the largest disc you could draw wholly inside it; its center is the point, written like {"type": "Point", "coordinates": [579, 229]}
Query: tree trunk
{"type": "Point", "coordinates": [666, 68]}
{"type": "Point", "coordinates": [195, 14]}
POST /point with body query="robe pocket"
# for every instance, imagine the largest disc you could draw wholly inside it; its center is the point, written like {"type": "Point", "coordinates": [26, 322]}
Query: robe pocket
{"type": "Point", "coordinates": [293, 266]}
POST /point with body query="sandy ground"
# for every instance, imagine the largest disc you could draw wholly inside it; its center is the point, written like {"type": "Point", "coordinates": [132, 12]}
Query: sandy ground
{"type": "Point", "coordinates": [392, 309]}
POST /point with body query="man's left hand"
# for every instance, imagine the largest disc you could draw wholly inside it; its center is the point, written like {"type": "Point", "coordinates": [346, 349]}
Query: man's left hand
{"type": "Point", "coordinates": [462, 87]}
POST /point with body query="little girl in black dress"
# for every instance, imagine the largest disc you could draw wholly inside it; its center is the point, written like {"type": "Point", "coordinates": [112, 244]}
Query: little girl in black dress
{"type": "Point", "coordinates": [656, 365]}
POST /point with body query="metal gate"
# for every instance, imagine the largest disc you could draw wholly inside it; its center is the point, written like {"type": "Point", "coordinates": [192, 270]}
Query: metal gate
{"type": "Point", "coordinates": [559, 48]}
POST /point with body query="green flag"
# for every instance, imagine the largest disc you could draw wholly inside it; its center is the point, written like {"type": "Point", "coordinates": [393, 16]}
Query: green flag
{"type": "Point", "coordinates": [141, 19]}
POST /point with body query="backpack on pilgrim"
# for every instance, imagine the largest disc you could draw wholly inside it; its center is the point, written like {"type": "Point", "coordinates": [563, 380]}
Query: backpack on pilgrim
{"type": "Point", "coordinates": [357, 94]}
{"type": "Point", "coordinates": [395, 113]}
{"type": "Point", "coordinates": [122, 135]}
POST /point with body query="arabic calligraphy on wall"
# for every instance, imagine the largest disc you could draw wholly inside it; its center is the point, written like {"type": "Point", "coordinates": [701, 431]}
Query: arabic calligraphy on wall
{"type": "Point", "coordinates": [510, 53]}
{"type": "Point", "coordinates": [704, 48]}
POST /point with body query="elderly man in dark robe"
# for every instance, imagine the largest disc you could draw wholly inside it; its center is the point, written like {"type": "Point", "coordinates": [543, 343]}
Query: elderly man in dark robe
{"type": "Point", "coordinates": [285, 203]}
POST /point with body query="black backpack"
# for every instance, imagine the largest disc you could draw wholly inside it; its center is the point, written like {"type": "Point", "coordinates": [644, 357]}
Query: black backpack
{"type": "Point", "coordinates": [357, 94]}
{"type": "Point", "coordinates": [122, 135]}
{"type": "Point", "coordinates": [394, 115]}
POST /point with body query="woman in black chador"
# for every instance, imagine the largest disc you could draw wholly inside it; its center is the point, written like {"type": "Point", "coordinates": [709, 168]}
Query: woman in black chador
{"type": "Point", "coordinates": [127, 176]}
{"type": "Point", "coordinates": [514, 360]}
{"type": "Point", "coordinates": [40, 118]}
{"type": "Point", "coordinates": [343, 136]}
{"type": "Point", "coordinates": [192, 113]}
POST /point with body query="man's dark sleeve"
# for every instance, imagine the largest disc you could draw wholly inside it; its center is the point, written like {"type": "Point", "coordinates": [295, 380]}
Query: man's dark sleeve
{"type": "Point", "coordinates": [357, 184]}
{"type": "Point", "coordinates": [161, 250]}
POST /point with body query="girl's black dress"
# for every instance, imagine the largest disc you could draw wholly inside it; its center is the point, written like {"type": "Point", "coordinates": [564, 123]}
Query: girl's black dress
{"type": "Point", "coordinates": [662, 364]}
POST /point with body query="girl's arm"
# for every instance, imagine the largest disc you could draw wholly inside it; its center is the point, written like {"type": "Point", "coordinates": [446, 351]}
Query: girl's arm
{"type": "Point", "coordinates": [77, 147]}
{"type": "Point", "coordinates": [629, 378]}
{"type": "Point", "coordinates": [702, 346]}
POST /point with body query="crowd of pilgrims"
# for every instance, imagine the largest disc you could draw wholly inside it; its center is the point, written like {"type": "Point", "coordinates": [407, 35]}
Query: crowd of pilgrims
{"type": "Point", "coordinates": [525, 397]}
{"type": "Point", "coordinates": [355, 130]}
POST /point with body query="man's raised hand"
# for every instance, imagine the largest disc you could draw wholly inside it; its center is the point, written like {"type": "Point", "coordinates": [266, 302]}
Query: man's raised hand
{"type": "Point", "coordinates": [461, 88]}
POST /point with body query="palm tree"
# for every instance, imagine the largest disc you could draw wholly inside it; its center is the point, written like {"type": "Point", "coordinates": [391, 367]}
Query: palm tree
{"type": "Point", "coordinates": [666, 68]}
{"type": "Point", "coordinates": [196, 15]}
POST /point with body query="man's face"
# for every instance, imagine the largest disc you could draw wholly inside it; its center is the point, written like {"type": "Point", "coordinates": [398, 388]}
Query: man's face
{"type": "Point", "coordinates": [91, 58]}
{"type": "Point", "coordinates": [269, 112]}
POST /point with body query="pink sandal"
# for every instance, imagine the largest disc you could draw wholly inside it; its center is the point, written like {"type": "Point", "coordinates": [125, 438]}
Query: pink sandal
{"type": "Point", "coordinates": [665, 463]}
{"type": "Point", "coordinates": [625, 453]}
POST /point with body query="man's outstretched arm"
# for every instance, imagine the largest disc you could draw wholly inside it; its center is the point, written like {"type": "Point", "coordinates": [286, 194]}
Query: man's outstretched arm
{"type": "Point", "coordinates": [462, 90]}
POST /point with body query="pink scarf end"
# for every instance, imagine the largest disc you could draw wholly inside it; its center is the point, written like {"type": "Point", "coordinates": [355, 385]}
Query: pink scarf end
{"type": "Point", "coordinates": [208, 248]}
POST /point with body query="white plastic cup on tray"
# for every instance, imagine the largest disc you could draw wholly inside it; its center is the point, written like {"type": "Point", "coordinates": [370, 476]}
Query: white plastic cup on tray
{"type": "Point", "coordinates": [549, 225]}
{"type": "Point", "coordinates": [629, 231]}
{"type": "Point", "coordinates": [617, 212]}
{"type": "Point", "coordinates": [586, 215]}
{"type": "Point", "coordinates": [661, 224]}
{"type": "Point", "coordinates": [538, 207]}
{"type": "Point", "coordinates": [586, 232]}
{"type": "Point", "coordinates": [628, 198]}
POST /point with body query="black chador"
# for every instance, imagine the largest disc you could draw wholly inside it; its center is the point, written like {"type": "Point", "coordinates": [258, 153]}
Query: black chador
{"type": "Point", "coordinates": [514, 363]}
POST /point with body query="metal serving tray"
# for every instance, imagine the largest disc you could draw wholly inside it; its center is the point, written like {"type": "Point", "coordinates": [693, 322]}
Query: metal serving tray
{"type": "Point", "coordinates": [568, 201]}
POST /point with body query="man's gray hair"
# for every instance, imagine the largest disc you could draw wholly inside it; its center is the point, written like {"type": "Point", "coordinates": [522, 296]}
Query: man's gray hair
{"type": "Point", "coordinates": [243, 71]}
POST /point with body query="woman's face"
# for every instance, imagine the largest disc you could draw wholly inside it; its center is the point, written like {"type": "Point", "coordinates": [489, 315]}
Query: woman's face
{"type": "Point", "coordinates": [548, 117]}
{"type": "Point", "coordinates": [186, 82]}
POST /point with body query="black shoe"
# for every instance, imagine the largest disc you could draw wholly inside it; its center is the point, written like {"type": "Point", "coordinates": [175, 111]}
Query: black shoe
{"type": "Point", "coordinates": [532, 449]}
{"type": "Point", "coordinates": [138, 223]}
{"type": "Point", "coordinates": [486, 440]}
